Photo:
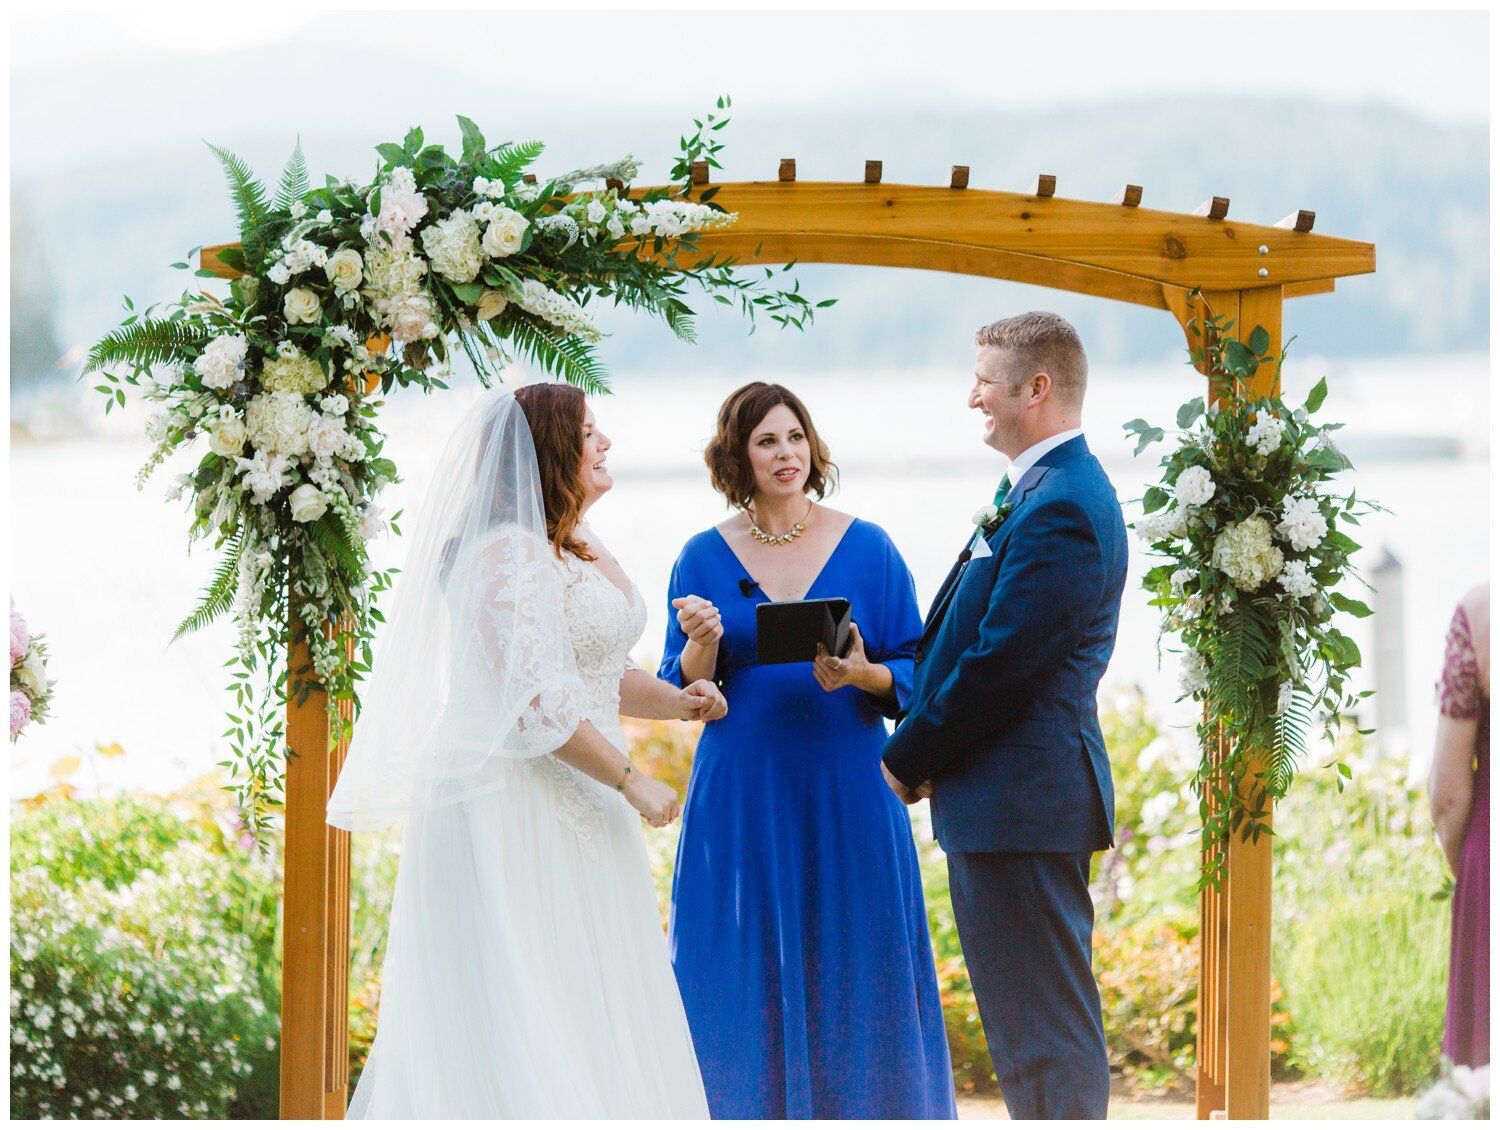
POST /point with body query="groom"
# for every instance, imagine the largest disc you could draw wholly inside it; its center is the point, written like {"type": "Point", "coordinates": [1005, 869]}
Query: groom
{"type": "Point", "coordinates": [1002, 731]}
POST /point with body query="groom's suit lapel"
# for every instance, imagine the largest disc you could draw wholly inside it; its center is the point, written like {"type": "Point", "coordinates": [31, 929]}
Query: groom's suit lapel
{"type": "Point", "coordinates": [1017, 497]}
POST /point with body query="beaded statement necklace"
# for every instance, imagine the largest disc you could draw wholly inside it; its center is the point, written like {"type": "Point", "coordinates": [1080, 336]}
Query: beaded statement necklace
{"type": "Point", "coordinates": [787, 538]}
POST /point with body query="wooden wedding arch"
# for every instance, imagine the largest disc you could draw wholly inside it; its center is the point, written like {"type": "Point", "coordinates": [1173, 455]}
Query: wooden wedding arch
{"type": "Point", "coordinates": [1193, 265]}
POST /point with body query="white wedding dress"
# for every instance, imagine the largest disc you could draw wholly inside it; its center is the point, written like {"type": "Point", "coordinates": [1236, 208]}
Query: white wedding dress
{"type": "Point", "coordinates": [526, 973]}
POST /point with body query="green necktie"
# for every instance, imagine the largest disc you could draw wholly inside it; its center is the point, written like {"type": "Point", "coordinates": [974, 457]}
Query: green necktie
{"type": "Point", "coordinates": [1001, 491]}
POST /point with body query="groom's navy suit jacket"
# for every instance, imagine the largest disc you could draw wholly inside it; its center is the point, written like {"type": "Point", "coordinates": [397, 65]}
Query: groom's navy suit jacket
{"type": "Point", "coordinates": [1003, 715]}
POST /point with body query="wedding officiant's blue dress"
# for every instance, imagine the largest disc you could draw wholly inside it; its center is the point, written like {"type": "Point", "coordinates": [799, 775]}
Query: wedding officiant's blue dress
{"type": "Point", "coordinates": [799, 933]}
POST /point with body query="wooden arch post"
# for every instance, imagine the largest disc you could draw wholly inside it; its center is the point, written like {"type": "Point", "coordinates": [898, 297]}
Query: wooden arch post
{"type": "Point", "coordinates": [1116, 250]}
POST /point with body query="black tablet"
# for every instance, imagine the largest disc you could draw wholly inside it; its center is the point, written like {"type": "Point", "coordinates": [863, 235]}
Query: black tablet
{"type": "Point", "coordinates": [789, 631]}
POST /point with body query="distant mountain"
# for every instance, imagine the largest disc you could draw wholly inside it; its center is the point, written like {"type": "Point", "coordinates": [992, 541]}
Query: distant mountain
{"type": "Point", "coordinates": [104, 217]}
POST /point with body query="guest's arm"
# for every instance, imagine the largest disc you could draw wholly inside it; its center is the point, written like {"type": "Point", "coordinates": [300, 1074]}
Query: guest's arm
{"type": "Point", "coordinates": [1451, 783]}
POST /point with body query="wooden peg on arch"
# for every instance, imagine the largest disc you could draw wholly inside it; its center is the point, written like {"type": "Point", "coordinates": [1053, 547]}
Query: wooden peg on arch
{"type": "Point", "coordinates": [960, 177]}
{"type": "Point", "coordinates": [873, 171]}
{"type": "Point", "coordinates": [699, 171]}
{"type": "Point", "coordinates": [1300, 220]}
{"type": "Point", "coordinates": [529, 178]}
{"type": "Point", "coordinates": [1215, 208]}
{"type": "Point", "coordinates": [614, 184]}
{"type": "Point", "coordinates": [1130, 196]}
{"type": "Point", "coordinates": [788, 170]}
{"type": "Point", "coordinates": [1045, 186]}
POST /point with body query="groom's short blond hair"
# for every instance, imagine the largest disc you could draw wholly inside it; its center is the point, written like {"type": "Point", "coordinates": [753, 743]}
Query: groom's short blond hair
{"type": "Point", "coordinates": [1041, 341]}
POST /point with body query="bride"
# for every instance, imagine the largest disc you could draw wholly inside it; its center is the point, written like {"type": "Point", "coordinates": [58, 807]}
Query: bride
{"type": "Point", "coordinates": [526, 975]}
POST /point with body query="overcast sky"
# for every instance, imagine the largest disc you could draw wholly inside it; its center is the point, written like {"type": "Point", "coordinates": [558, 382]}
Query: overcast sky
{"type": "Point", "coordinates": [1436, 64]}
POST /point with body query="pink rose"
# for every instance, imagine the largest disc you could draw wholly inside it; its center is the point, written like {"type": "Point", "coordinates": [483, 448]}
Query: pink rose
{"type": "Point", "coordinates": [20, 712]}
{"type": "Point", "coordinates": [20, 639]}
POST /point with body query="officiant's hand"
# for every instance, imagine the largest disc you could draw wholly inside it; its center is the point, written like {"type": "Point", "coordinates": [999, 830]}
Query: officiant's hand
{"type": "Point", "coordinates": [701, 701]}
{"type": "Point", "coordinates": [897, 786]}
{"type": "Point", "coordinates": [853, 670]}
{"type": "Point", "coordinates": [698, 619]}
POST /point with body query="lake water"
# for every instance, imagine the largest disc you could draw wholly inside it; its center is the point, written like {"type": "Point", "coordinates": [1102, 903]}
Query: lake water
{"type": "Point", "coordinates": [103, 570]}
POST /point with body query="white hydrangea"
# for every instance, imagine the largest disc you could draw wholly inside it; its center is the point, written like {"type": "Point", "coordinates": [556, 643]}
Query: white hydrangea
{"type": "Point", "coordinates": [1246, 554]}
{"type": "Point", "coordinates": [558, 309]}
{"type": "Point", "coordinates": [452, 246]}
{"type": "Point", "coordinates": [1302, 523]}
{"type": "Point", "coordinates": [1266, 434]}
{"type": "Point", "coordinates": [1194, 674]}
{"type": "Point", "coordinates": [1195, 486]}
{"type": "Point", "coordinates": [1296, 580]}
{"type": "Point", "coordinates": [278, 423]}
{"type": "Point", "coordinates": [222, 362]}
{"type": "Point", "coordinates": [1168, 523]}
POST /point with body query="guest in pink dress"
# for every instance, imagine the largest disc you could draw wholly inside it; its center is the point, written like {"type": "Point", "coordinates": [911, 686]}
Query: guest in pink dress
{"type": "Point", "coordinates": [1460, 788]}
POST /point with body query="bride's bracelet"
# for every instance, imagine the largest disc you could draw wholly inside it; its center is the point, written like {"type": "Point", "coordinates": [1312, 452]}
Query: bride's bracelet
{"type": "Point", "coordinates": [620, 788]}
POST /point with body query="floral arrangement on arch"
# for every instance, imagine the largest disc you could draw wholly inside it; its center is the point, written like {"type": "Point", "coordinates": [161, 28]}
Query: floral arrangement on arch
{"type": "Point", "coordinates": [30, 689]}
{"type": "Point", "coordinates": [1255, 557]}
{"type": "Point", "coordinates": [346, 291]}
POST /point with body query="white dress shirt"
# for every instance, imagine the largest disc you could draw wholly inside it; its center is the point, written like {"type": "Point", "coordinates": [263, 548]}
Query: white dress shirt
{"type": "Point", "coordinates": [1028, 458]}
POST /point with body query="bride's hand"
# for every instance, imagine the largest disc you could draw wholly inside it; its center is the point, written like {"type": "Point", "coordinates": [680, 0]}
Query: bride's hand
{"type": "Point", "coordinates": [655, 801]}
{"type": "Point", "coordinates": [701, 701]}
{"type": "Point", "coordinates": [699, 619]}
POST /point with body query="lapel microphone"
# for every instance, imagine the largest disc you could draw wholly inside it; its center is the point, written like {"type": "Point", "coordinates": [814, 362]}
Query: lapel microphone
{"type": "Point", "coordinates": [747, 587]}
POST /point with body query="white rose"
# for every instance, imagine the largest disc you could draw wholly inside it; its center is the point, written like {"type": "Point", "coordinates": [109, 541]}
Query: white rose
{"type": "Point", "coordinates": [492, 304]}
{"type": "Point", "coordinates": [335, 405]}
{"type": "Point", "coordinates": [227, 437]}
{"type": "Point", "coordinates": [504, 234]}
{"type": "Point", "coordinates": [596, 212]}
{"type": "Point", "coordinates": [308, 503]}
{"type": "Point", "coordinates": [1195, 486]}
{"type": "Point", "coordinates": [279, 273]}
{"type": "Point", "coordinates": [345, 269]}
{"type": "Point", "coordinates": [302, 306]}
{"type": "Point", "coordinates": [33, 673]}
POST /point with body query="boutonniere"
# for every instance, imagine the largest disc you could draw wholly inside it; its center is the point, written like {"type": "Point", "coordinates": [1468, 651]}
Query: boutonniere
{"type": "Point", "coordinates": [990, 518]}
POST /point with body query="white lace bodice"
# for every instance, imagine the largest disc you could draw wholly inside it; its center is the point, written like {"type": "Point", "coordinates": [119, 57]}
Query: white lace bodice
{"type": "Point", "coordinates": [604, 625]}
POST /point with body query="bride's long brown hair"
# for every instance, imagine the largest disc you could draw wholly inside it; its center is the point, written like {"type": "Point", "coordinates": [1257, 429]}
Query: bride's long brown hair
{"type": "Point", "coordinates": [555, 415]}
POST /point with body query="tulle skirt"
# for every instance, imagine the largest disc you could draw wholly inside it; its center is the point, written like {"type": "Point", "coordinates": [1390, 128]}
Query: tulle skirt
{"type": "Point", "coordinates": [526, 975]}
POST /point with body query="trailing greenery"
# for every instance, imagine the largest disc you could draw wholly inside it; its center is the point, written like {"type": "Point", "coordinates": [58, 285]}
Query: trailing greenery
{"type": "Point", "coordinates": [1256, 556]}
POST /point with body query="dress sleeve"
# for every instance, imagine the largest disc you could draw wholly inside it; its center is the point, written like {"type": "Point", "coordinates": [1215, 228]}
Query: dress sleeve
{"type": "Point", "coordinates": [1459, 695]}
{"type": "Point", "coordinates": [893, 640]}
{"type": "Point", "coordinates": [670, 670]}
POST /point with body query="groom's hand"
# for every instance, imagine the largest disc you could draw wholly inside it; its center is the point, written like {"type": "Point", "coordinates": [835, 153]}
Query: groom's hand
{"type": "Point", "coordinates": [701, 701]}
{"type": "Point", "coordinates": [903, 794]}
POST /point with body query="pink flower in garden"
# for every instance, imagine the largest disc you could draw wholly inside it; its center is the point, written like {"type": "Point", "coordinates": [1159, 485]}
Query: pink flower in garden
{"type": "Point", "coordinates": [20, 639]}
{"type": "Point", "coordinates": [20, 712]}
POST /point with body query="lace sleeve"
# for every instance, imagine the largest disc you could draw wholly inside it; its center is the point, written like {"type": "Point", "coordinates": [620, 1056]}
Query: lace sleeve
{"type": "Point", "coordinates": [1459, 695]}
{"type": "Point", "coordinates": [525, 646]}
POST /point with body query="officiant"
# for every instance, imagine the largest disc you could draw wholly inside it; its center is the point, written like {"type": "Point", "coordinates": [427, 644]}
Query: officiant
{"type": "Point", "coordinates": [799, 934]}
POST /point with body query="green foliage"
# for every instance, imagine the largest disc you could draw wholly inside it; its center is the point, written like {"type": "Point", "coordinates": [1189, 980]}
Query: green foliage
{"type": "Point", "coordinates": [294, 181]}
{"type": "Point", "coordinates": [218, 597]}
{"type": "Point", "coordinates": [143, 342]}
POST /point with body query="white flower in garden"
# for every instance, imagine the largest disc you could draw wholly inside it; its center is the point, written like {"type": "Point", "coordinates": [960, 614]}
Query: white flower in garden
{"type": "Point", "coordinates": [222, 362]}
{"type": "Point", "coordinates": [1296, 580]}
{"type": "Point", "coordinates": [324, 217]}
{"type": "Point", "coordinates": [596, 212]}
{"type": "Point", "coordinates": [33, 676]}
{"type": "Point", "coordinates": [408, 318]}
{"type": "Point", "coordinates": [402, 207]}
{"type": "Point", "coordinates": [452, 247]}
{"type": "Point", "coordinates": [1195, 486]}
{"type": "Point", "coordinates": [343, 335]}
{"type": "Point", "coordinates": [1245, 553]}
{"type": "Point", "coordinates": [308, 503]}
{"type": "Point", "coordinates": [279, 273]}
{"type": "Point", "coordinates": [1284, 696]}
{"type": "Point", "coordinates": [492, 304]}
{"type": "Point", "coordinates": [277, 422]}
{"type": "Point", "coordinates": [1265, 434]}
{"type": "Point", "coordinates": [484, 211]}
{"type": "Point", "coordinates": [370, 525]}
{"type": "Point", "coordinates": [226, 437]}
{"type": "Point", "coordinates": [1181, 578]}
{"type": "Point", "coordinates": [302, 307]}
{"type": "Point", "coordinates": [326, 436]}
{"type": "Point", "coordinates": [481, 185]}
{"type": "Point", "coordinates": [1302, 523]}
{"type": "Point", "coordinates": [345, 269]}
{"type": "Point", "coordinates": [504, 233]}
{"type": "Point", "coordinates": [615, 228]}
{"type": "Point", "coordinates": [299, 209]}
{"type": "Point", "coordinates": [295, 373]}
{"type": "Point", "coordinates": [1194, 673]}
{"type": "Point", "coordinates": [558, 309]}
{"type": "Point", "coordinates": [180, 483]}
{"type": "Point", "coordinates": [1162, 524]}
{"type": "Point", "coordinates": [335, 405]}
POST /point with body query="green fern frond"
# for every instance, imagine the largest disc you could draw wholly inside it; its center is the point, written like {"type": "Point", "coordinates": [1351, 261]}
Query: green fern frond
{"type": "Point", "coordinates": [248, 194]}
{"type": "Point", "coordinates": [338, 544]}
{"type": "Point", "coordinates": [559, 355]}
{"type": "Point", "coordinates": [148, 342]}
{"type": "Point", "coordinates": [218, 596]}
{"type": "Point", "coordinates": [1291, 741]}
{"type": "Point", "coordinates": [512, 159]}
{"type": "Point", "coordinates": [294, 180]}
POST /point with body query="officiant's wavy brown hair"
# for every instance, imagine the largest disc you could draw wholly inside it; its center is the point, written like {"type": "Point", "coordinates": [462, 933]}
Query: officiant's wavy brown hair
{"type": "Point", "coordinates": [555, 414]}
{"type": "Point", "coordinates": [728, 453]}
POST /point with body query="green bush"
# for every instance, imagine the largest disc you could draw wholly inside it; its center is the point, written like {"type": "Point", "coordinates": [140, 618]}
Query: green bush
{"type": "Point", "coordinates": [140, 938]}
